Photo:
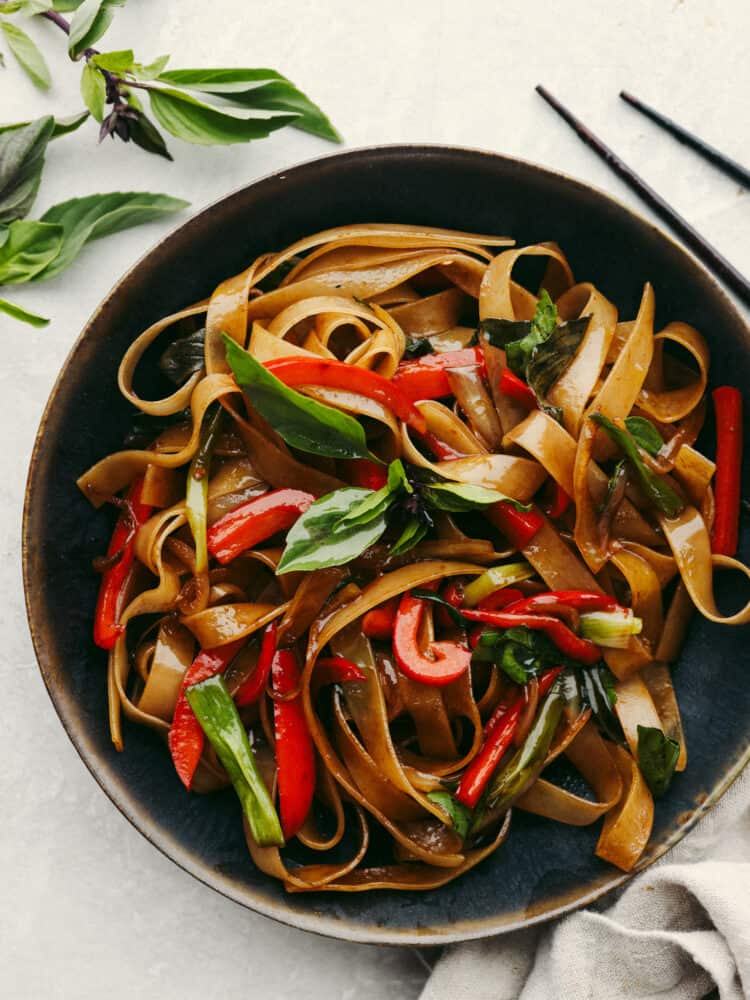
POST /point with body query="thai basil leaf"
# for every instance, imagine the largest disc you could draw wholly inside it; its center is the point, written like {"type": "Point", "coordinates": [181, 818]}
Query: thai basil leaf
{"type": "Point", "coordinates": [657, 757]}
{"type": "Point", "coordinates": [302, 422]}
{"type": "Point", "coordinates": [657, 490]}
{"type": "Point", "coordinates": [378, 501]}
{"type": "Point", "coordinates": [64, 6]}
{"type": "Point", "coordinates": [314, 542]}
{"type": "Point", "coordinates": [552, 357]}
{"type": "Point", "coordinates": [272, 280]}
{"type": "Point", "coordinates": [27, 7]}
{"type": "Point", "coordinates": [28, 249]}
{"type": "Point", "coordinates": [460, 815]}
{"type": "Point", "coordinates": [460, 497]}
{"type": "Point", "coordinates": [88, 24]}
{"type": "Point", "coordinates": [543, 325]}
{"type": "Point", "coordinates": [16, 312]}
{"type": "Point", "coordinates": [184, 357]}
{"type": "Point", "coordinates": [151, 70]}
{"type": "Point", "coordinates": [21, 160]}
{"type": "Point", "coordinates": [613, 484]}
{"type": "Point", "coordinates": [520, 652]}
{"type": "Point", "coordinates": [93, 90]}
{"type": "Point", "coordinates": [417, 347]}
{"type": "Point", "coordinates": [145, 134]}
{"type": "Point", "coordinates": [645, 434]}
{"type": "Point", "coordinates": [412, 534]}
{"type": "Point", "coordinates": [192, 121]}
{"type": "Point", "coordinates": [454, 613]}
{"type": "Point", "coordinates": [118, 62]}
{"type": "Point", "coordinates": [598, 690]}
{"type": "Point", "coordinates": [30, 59]}
{"type": "Point", "coordinates": [262, 89]}
{"type": "Point", "coordinates": [62, 126]}
{"type": "Point", "coordinates": [98, 215]}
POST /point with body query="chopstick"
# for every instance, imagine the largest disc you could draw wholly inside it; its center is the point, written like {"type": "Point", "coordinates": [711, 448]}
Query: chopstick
{"type": "Point", "coordinates": [697, 243]}
{"type": "Point", "coordinates": [710, 153]}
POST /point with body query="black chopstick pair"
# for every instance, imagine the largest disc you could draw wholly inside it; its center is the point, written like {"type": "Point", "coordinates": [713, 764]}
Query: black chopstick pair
{"type": "Point", "coordinates": [697, 243]}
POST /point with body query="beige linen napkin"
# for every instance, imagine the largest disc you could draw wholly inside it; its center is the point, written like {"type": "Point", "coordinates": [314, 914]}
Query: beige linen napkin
{"type": "Point", "coordinates": [676, 932]}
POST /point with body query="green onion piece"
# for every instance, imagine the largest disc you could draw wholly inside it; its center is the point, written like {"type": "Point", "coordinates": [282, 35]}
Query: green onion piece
{"type": "Point", "coordinates": [220, 721]}
{"type": "Point", "coordinates": [196, 492]}
{"type": "Point", "coordinates": [611, 628]}
{"type": "Point", "coordinates": [494, 579]}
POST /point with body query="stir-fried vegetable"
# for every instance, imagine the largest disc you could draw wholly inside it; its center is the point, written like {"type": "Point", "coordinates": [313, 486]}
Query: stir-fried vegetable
{"type": "Point", "coordinates": [728, 406]}
{"type": "Point", "coordinates": [196, 492]}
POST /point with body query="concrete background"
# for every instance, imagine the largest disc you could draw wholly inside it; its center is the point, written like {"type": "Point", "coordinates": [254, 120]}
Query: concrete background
{"type": "Point", "coordinates": [88, 908]}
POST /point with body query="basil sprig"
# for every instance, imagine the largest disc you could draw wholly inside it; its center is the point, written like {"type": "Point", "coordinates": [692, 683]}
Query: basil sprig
{"type": "Point", "coordinates": [459, 815]}
{"type": "Point", "coordinates": [656, 489]}
{"type": "Point", "coordinates": [520, 652]}
{"type": "Point", "coordinates": [657, 758]}
{"type": "Point", "coordinates": [539, 350]}
{"type": "Point", "coordinates": [302, 422]}
{"type": "Point", "coordinates": [342, 525]}
{"type": "Point", "coordinates": [645, 434]}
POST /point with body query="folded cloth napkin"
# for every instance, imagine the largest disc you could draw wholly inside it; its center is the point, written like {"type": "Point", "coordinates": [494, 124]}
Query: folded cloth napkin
{"type": "Point", "coordinates": [676, 932]}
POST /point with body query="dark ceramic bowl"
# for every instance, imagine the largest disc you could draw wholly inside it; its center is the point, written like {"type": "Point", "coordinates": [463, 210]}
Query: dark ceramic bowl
{"type": "Point", "coordinates": [543, 870]}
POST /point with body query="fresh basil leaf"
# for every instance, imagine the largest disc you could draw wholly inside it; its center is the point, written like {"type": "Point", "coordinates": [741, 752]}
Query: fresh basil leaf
{"type": "Point", "coordinates": [88, 24]}
{"type": "Point", "coordinates": [29, 57]}
{"type": "Point", "coordinates": [520, 652]}
{"type": "Point", "coordinates": [93, 90]}
{"type": "Point", "coordinates": [16, 312]}
{"type": "Point", "coordinates": [460, 497]}
{"type": "Point", "coordinates": [118, 62]}
{"type": "Point", "coordinates": [657, 757]}
{"type": "Point", "coordinates": [553, 356]}
{"type": "Point", "coordinates": [429, 595]}
{"type": "Point", "coordinates": [302, 422]}
{"type": "Point", "coordinates": [657, 490]}
{"type": "Point", "coordinates": [21, 161]}
{"type": "Point", "coordinates": [417, 347]}
{"type": "Point", "coordinates": [372, 506]}
{"type": "Point", "coordinates": [274, 278]}
{"type": "Point", "coordinates": [98, 215]}
{"type": "Point", "coordinates": [151, 70]}
{"type": "Point", "coordinates": [219, 81]}
{"type": "Point", "coordinates": [543, 325]}
{"type": "Point", "coordinates": [145, 134]}
{"type": "Point", "coordinates": [460, 816]}
{"type": "Point", "coordinates": [62, 126]}
{"type": "Point", "coordinates": [64, 6]}
{"type": "Point", "coordinates": [184, 357]}
{"type": "Point", "coordinates": [412, 534]}
{"type": "Point", "coordinates": [188, 119]}
{"type": "Point", "coordinates": [614, 483]}
{"type": "Point", "coordinates": [397, 477]}
{"type": "Point", "coordinates": [313, 541]}
{"type": "Point", "coordinates": [27, 7]}
{"type": "Point", "coordinates": [598, 691]}
{"type": "Point", "coordinates": [645, 434]}
{"type": "Point", "coordinates": [28, 249]}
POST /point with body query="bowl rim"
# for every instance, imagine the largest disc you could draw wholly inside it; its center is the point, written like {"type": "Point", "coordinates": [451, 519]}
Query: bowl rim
{"type": "Point", "coordinates": [167, 844]}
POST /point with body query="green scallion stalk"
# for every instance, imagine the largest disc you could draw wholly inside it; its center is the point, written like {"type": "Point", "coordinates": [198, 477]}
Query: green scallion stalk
{"type": "Point", "coordinates": [220, 721]}
{"type": "Point", "coordinates": [611, 628]}
{"type": "Point", "coordinates": [494, 579]}
{"type": "Point", "coordinates": [196, 491]}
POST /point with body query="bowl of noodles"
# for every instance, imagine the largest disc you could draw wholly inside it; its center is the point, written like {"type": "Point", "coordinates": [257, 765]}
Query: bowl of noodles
{"type": "Point", "coordinates": [382, 550]}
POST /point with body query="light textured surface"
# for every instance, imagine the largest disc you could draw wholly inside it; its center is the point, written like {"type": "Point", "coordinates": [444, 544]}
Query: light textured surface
{"type": "Point", "coordinates": [88, 907]}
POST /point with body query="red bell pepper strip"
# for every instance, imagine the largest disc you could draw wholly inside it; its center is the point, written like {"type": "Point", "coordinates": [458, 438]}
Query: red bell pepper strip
{"type": "Point", "coordinates": [518, 526]}
{"type": "Point", "coordinates": [557, 500]}
{"type": "Point", "coordinates": [498, 735]}
{"type": "Point", "coordinates": [255, 521]}
{"type": "Point", "coordinates": [581, 600]}
{"type": "Point", "coordinates": [453, 594]}
{"type": "Point", "coordinates": [442, 451]}
{"type": "Point", "coordinates": [362, 472]}
{"type": "Point", "coordinates": [378, 622]}
{"type": "Point", "coordinates": [296, 371]}
{"type": "Point", "coordinates": [451, 658]}
{"type": "Point", "coordinates": [295, 756]}
{"type": "Point", "coordinates": [566, 641]}
{"type": "Point", "coordinates": [249, 692]}
{"type": "Point", "coordinates": [515, 388]}
{"type": "Point", "coordinates": [728, 406]}
{"type": "Point", "coordinates": [107, 630]}
{"type": "Point", "coordinates": [186, 737]}
{"type": "Point", "coordinates": [337, 670]}
{"type": "Point", "coordinates": [425, 378]}
{"type": "Point", "coordinates": [500, 599]}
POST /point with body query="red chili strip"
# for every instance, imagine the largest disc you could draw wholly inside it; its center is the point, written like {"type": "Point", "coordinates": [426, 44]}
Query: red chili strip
{"type": "Point", "coordinates": [249, 692]}
{"type": "Point", "coordinates": [566, 641]}
{"type": "Point", "coordinates": [425, 378]}
{"type": "Point", "coordinates": [255, 521]}
{"type": "Point", "coordinates": [451, 659]}
{"type": "Point", "coordinates": [186, 736]}
{"type": "Point", "coordinates": [337, 670]}
{"type": "Point", "coordinates": [514, 388]}
{"type": "Point", "coordinates": [500, 599]}
{"type": "Point", "coordinates": [107, 629]}
{"type": "Point", "coordinates": [362, 472]}
{"type": "Point", "coordinates": [728, 406]}
{"type": "Point", "coordinates": [498, 736]}
{"type": "Point", "coordinates": [378, 623]}
{"type": "Point", "coordinates": [518, 526]}
{"type": "Point", "coordinates": [557, 500]}
{"type": "Point", "coordinates": [295, 755]}
{"type": "Point", "coordinates": [581, 600]}
{"type": "Point", "coordinates": [296, 371]}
